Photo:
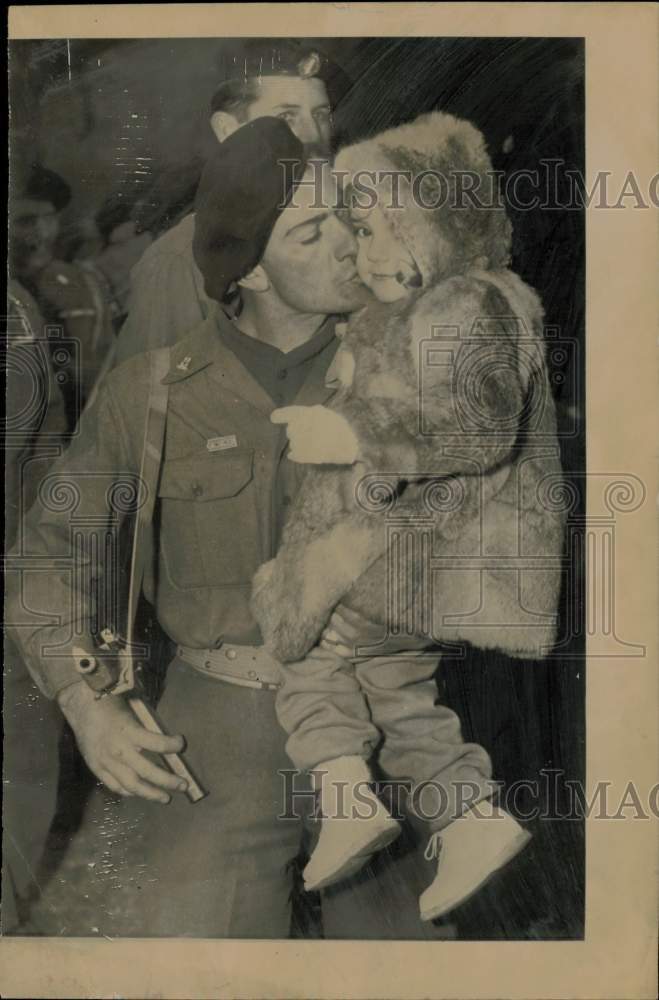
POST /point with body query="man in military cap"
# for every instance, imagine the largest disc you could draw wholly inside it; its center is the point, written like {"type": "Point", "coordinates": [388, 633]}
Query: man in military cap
{"type": "Point", "coordinates": [68, 295]}
{"type": "Point", "coordinates": [283, 78]}
{"type": "Point", "coordinates": [218, 868]}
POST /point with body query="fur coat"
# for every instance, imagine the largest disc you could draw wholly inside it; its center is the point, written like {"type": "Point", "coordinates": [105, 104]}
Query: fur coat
{"type": "Point", "coordinates": [452, 507]}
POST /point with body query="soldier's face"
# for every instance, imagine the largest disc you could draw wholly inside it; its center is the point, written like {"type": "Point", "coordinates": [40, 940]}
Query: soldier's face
{"type": "Point", "coordinates": [33, 229]}
{"type": "Point", "coordinates": [302, 103]}
{"type": "Point", "coordinates": [310, 257]}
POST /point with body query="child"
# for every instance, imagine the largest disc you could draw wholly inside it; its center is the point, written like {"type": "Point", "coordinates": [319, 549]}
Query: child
{"type": "Point", "coordinates": [470, 463]}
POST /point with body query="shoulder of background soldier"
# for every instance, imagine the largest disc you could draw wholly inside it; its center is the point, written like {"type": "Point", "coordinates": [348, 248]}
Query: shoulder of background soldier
{"type": "Point", "coordinates": [24, 320]}
{"type": "Point", "coordinates": [176, 242]}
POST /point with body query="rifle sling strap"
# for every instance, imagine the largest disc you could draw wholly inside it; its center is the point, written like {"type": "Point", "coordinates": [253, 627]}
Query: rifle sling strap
{"type": "Point", "coordinates": [152, 451]}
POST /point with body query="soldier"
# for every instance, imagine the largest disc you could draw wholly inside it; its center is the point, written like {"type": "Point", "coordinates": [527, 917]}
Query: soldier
{"type": "Point", "coordinates": [35, 429]}
{"type": "Point", "coordinates": [282, 78]}
{"type": "Point", "coordinates": [68, 295]}
{"type": "Point", "coordinates": [218, 868]}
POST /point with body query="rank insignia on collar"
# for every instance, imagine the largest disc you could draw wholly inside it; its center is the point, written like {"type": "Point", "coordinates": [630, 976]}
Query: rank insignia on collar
{"type": "Point", "coordinates": [184, 365]}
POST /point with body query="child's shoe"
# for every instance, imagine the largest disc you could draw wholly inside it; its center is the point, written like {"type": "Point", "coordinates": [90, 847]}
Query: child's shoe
{"type": "Point", "coordinates": [473, 848]}
{"type": "Point", "coordinates": [345, 844]}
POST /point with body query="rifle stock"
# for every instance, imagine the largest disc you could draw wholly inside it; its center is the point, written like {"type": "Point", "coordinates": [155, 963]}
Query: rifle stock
{"type": "Point", "coordinates": [148, 718]}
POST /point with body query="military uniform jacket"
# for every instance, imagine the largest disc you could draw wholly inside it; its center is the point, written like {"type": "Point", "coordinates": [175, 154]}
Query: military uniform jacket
{"type": "Point", "coordinates": [216, 515]}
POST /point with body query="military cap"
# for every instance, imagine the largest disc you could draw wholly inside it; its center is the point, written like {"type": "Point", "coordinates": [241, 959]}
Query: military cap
{"type": "Point", "coordinates": [262, 57]}
{"type": "Point", "coordinates": [37, 183]}
{"type": "Point", "coordinates": [242, 191]}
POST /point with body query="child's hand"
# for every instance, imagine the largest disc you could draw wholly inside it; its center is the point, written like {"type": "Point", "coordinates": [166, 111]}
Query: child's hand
{"type": "Point", "coordinates": [317, 435]}
{"type": "Point", "coordinates": [347, 631]}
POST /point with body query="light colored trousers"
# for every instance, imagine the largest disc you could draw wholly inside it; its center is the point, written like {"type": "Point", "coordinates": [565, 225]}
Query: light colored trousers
{"type": "Point", "coordinates": [331, 707]}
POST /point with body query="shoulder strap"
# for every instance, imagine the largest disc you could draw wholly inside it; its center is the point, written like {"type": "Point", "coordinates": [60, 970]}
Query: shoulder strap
{"type": "Point", "coordinates": [152, 450]}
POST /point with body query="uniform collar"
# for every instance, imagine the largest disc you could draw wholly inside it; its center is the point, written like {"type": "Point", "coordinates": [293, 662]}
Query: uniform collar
{"type": "Point", "coordinates": [203, 349]}
{"type": "Point", "coordinates": [249, 346]}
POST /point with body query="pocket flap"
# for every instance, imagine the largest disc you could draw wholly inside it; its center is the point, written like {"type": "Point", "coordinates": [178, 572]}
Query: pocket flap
{"type": "Point", "coordinates": [206, 476]}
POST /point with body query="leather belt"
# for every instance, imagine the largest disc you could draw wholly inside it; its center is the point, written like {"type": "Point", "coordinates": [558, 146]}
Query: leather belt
{"type": "Point", "coordinates": [247, 666]}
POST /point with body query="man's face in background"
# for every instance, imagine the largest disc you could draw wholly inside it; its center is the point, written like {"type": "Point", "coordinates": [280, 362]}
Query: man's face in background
{"type": "Point", "coordinates": [301, 102]}
{"type": "Point", "coordinates": [34, 227]}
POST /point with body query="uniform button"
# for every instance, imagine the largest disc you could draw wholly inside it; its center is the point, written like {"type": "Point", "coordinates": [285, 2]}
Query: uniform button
{"type": "Point", "coordinates": [252, 674]}
{"type": "Point", "coordinates": [197, 490]}
{"type": "Point", "coordinates": [231, 654]}
{"type": "Point", "coordinates": [282, 373]}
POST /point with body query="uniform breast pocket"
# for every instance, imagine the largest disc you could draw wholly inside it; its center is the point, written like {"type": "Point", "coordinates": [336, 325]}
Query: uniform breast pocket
{"type": "Point", "coordinates": [209, 529]}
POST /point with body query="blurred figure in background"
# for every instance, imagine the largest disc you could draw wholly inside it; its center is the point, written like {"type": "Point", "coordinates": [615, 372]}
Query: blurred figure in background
{"type": "Point", "coordinates": [35, 419]}
{"type": "Point", "coordinates": [67, 295]}
{"type": "Point", "coordinates": [170, 197]}
{"type": "Point", "coordinates": [123, 240]}
{"type": "Point", "coordinates": [282, 78]}
{"type": "Point", "coordinates": [35, 428]}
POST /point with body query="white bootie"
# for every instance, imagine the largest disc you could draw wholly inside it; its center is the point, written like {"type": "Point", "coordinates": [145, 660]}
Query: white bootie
{"type": "Point", "coordinates": [355, 823]}
{"type": "Point", "coordinates": [473, 848]}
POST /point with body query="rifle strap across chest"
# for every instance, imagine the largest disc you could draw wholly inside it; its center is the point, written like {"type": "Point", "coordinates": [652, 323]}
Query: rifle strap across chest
{"type": "Point", "coordinates": [151, 462]}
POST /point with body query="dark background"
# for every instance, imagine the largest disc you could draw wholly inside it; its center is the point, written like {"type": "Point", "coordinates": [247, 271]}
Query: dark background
{"type": "Point", "coordinates": [114, 115]}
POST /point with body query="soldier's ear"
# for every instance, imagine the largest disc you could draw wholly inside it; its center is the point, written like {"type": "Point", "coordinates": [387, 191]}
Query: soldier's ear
{"type": "Point", "coordinates": [256, 281]}
{"type": "Point", "coordinates": [223, 124]}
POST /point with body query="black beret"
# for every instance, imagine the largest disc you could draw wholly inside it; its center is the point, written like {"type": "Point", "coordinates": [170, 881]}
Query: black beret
{"type": "Point", "coordinates": [255, 58]}
{"type": "Point", "coordinates": [242, 191]}
{"type": "Point", "coordinates": [40, 184]}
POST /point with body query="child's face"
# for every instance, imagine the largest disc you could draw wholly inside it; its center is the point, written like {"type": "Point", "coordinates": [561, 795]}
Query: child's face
{"type": "Point", "coordinates": [384, 263]}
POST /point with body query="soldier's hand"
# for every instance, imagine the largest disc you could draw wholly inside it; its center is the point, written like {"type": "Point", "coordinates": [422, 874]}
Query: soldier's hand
{"type": "Point", "coordinates": [112, 742]}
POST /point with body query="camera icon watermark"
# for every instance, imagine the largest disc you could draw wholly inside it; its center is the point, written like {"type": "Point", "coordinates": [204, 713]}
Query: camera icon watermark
{"type": "Point", "coordinates": [475, 361]}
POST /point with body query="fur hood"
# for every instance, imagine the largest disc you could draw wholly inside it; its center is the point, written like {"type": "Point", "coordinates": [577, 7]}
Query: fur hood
{"type": "Point", "coordinates": [433, 156]}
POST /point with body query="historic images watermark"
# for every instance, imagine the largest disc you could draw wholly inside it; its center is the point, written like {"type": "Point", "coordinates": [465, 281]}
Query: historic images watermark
{"type": "Point", "coordinates": [39, 363]}
{"type": "Point", "coordinates": [91, 557]}
{"type": "Point", "coordinates": [551, 796]}
{"type": "Point", "coordinates": [93, 553]}
{"type": "Point", "coordinates": [27, 359]}
{"type": "Point", "coordinates": [552, 186]}
{"type": "Point", "coordinates": [466, 364]}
